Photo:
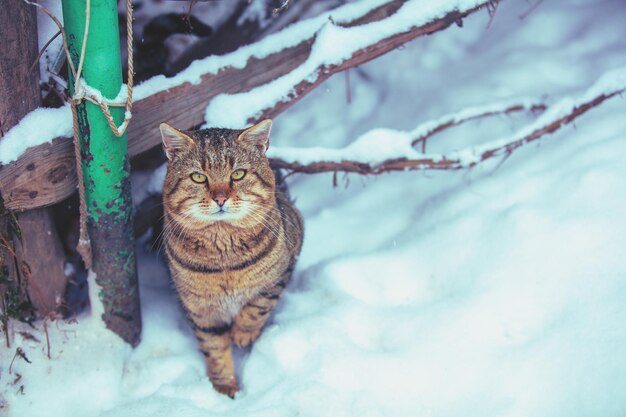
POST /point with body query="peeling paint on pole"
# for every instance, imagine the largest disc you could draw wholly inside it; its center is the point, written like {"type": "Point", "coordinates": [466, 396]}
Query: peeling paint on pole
{"type": "Point", "coordinates": [106, 168]}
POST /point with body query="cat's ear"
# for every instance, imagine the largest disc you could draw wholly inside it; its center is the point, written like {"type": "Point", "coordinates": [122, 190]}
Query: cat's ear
{"type": "Point", "coordinates": [174, 140]}
{"type": "Point", "coordinates": [257, 135]}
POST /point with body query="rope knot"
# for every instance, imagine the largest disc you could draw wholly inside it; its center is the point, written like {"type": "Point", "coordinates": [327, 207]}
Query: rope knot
{"type": "Point", "coordinates": [79, 91]}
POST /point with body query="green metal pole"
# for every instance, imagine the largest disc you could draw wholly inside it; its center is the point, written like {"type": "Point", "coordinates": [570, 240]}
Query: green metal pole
{"type": "Point", "coordinates": [106, 167]}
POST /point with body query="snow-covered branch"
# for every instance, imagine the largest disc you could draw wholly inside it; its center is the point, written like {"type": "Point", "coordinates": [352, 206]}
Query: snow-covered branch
{"type": "Point", "coordinates": [339, 44]}
{"type": "Point", "coordinates": [385, 150]}
{"type": "Point", "coordinates": [425, 131]}
{"type": "Point", "coordinates": [258, 80]}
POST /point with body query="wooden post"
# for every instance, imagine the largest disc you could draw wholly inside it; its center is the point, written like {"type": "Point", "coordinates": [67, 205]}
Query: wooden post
{"type": "Point", "coordinates": [19, 94]}
{"type": "Point", "coordinates": [19, 86]}
{"type": "Point", "coordinates": [43, 252]}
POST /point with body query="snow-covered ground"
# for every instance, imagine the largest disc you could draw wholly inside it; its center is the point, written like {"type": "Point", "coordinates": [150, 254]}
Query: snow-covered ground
{"type": "Point", "coordinates": [492, 292]}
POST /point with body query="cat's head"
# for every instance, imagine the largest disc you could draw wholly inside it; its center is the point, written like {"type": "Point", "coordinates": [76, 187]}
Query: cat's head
{"type": "Point", "coordinates": [218, 175]}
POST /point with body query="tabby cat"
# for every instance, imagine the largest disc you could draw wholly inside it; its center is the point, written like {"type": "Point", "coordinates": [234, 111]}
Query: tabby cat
{"type": "Point", "coordinates": [231, 237]}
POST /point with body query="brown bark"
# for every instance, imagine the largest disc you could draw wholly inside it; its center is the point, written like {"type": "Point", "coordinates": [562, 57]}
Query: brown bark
{"type": "Point", "coordinates": [42, 251]}
{"type": "Point", "coordinates": [19, 94]}
{"type": "Point", "coordinates": [19, 86]}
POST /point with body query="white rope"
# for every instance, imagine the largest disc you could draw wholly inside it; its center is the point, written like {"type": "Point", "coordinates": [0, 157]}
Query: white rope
{"type": "Point", "coordinates": [82, 91]}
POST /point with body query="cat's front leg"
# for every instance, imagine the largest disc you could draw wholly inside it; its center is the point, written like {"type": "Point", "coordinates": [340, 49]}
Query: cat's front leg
{"type": "Point", "coordinates": [249, 321]}
{"type": "Point", "coordinates": [214, 339]}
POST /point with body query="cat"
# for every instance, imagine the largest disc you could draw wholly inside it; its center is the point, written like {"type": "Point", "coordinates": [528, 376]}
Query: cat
{"type": "Point", "coordinates": [231, 237]}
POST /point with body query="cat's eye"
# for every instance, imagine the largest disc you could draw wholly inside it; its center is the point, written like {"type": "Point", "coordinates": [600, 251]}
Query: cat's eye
{"type": "Point", "coordinates": [198, 177]}
{"type": "Point", "coordinates": [238, 174]}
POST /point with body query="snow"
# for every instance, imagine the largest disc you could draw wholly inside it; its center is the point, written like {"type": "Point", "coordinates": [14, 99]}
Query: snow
{"type": "Point", "coordinates": [290, 36]}
{"type": "Point", "coordinates": [333, 45]}
{"type": "Point", "coordinates": [37, 127]}
{"type": "Point", "coordinates": [97, 309]}
{"type": "Point", "coordinates": [411, 14]}
{"type": "Point", "coordinates": [379, 145]}
{"type": "Point", "coordinates": [373, 147]}
{"type": "Point", "coordinates": [44, 124]}
{"type": "Point", "coordinates": [492, 292]}
{"type": "Point", "coordinates": [256, 12]}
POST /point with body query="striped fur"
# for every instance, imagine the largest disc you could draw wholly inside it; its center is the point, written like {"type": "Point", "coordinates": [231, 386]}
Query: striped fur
{"type": "Point", "coordinates": [228, 267]}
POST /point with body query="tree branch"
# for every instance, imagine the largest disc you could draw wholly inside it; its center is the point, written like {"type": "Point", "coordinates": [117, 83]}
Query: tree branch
{"type": "Point", "coordinates": [429, 129]}
{"type": "Point", "coordinates": [552, 120]}
{"type": "Point", "coordinates": [42, 176]}
{"type": "Point", "coordinates": [302, 85]}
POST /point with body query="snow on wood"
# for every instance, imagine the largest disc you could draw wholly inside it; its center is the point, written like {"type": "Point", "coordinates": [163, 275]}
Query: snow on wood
{"type": "Point", "coordinates": [181, 100]}
{"type": "Point", "coordinates": [335, 43]}
{"type": "Point", "coordinates": [40, 124]}
{"type": "Point", "coordinates": [44, 128]}
{"type": "Point", "coordinates": [379, 145]}
{"type": "Point", "coordinates": [423, 132]}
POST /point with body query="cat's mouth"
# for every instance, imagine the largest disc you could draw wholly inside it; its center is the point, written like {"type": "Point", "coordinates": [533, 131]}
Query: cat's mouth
{"type": "Point", "coordinates": [219, 214]}
{"type": "Point", "coordinates": [227, 213]}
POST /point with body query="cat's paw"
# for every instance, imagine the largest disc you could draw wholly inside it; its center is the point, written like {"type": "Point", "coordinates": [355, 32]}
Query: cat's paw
{"type": "Point", "coordinates": [229, 389]}
{"type": "Point", "coordinates": [243, 338]}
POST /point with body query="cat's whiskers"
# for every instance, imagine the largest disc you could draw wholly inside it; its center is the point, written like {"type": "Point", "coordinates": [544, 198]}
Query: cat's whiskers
{"type": "Point", "coordinates": [261, 216]}
{"type": "Point", "coordinates": [206, 212]}
{"type": "Point", "coordinates": [260, 208]}
{"type": "Point", "coordinates": [174, 229]}
{"type": "Point", "coordinates": [263, 222]}
{"type": "Point", "coordinates": [176, 226]}
{"type": "Point", "coordinates": [168, 226]}
{"type": "Point", "coordinates": [262, 219]}
{"type": "Point", "coordinates": [159, 236]}
{"type": "Point", "coordinates": [276, 211]}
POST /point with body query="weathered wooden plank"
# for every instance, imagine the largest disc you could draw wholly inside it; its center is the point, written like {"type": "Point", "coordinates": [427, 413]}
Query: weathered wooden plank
{"type": "Point", "coordinates": [184, 106]}
{"type": "Point", "coordinates": [45, 175]}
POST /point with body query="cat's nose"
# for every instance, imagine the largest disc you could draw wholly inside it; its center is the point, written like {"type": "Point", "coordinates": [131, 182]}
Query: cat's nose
{"type": "Point", "coordinates": [220, 199]}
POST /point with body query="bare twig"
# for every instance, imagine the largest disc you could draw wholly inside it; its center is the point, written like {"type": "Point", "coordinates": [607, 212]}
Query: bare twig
{"type": "Point", "coordinates": [45, 330]}
{"type": "Point", "coordinates": [549, 128]}
{"type": "Point", "coordinates": [18, 352]}
{"type": "Point", "coordinates": [60, 26]}
{"type": "Point", "coordinates": [282, 7]}
{"type": "Point", "coordinates": [492, 8]}
{"type": "Point", "coordinates": [530, 9]}
{"type": "Point", "coordinates": [44, 49]}
{"type": "Point", "coordinates": [452, 120]}
{"type": "Point", "coordinates": [348, 92]}
{"type": "Point", "coordinates": [26, 271]}
{"type": "Point", "coordinates": [453, 161]}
